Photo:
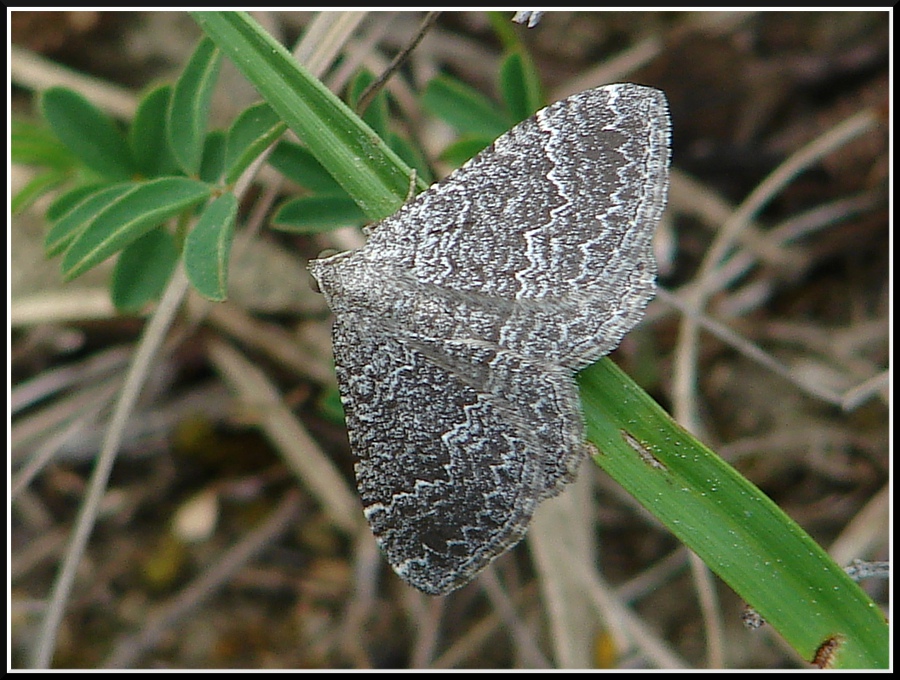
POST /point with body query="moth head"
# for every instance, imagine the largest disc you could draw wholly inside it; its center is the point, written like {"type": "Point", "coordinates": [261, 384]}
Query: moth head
{"type": "Point", "coordinates": [346, 279]}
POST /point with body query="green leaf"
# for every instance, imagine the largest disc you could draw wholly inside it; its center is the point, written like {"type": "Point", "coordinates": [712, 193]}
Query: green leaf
{"type": "Point", "coordinates": [88, 133]}
{"type": "Point", "coordinates": [738, 532]}
{"type": "Point", "coordinates": [39, 185]}
{"type": "Point", "coordinates": [520, 86]}
{"type": "Point", "coordinates": [189, 106]}
{"type": "Point", "coordinates": [506, 31]}
{"type": "Point", "coordinates": [143, 270]}
{"type": "Point", "coordinates": [69, 199]}
{"type": "Point", "coordinates": [299, 165]}
{"type": "Point", "coordinates": [329, 406]}
{"type": "Point", "coordinates": [213, 163]}
{"type": "Point", "coordinates": [208, 248]}
{"type": "Point", "coordinates": [464, 108]}
{"type": "Point", "coordinates": [76, 219]}
{"type": "Point", "coordinates": [147, 134]}
{"type": "Point", "coordinates": [314, 214]}
{"type": "Point", "coordinates": [32, 144]}
{"type": "Point", "coordinates": [144, 206]}
{"type": "Point", "coordinates": [376, 114]}
{"type": "Point", "coordinates": [348, 148]}
{"type": "Point", "coordinates": [411, 156]}
{"type": "Point", "coordinates": [250, 134]}
{"type": "Point", "coordinates": [463, 149]}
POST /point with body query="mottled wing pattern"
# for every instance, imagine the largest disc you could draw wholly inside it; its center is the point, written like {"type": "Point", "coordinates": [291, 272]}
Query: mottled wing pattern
{"type": "Point", "coordinates": [446, 475]}
{"type": "Point", "coordinates": [539, 398]}
{"type": "Point", "coordinates": [560, 211]}
{"type": "Point", "coordinates": [459, 325]}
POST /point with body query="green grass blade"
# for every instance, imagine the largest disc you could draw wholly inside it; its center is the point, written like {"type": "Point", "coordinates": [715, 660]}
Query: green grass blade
{"type": "Point", "coordinates": [365, 167]}
{"type": "Point", "coordinates": [738, 531]}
